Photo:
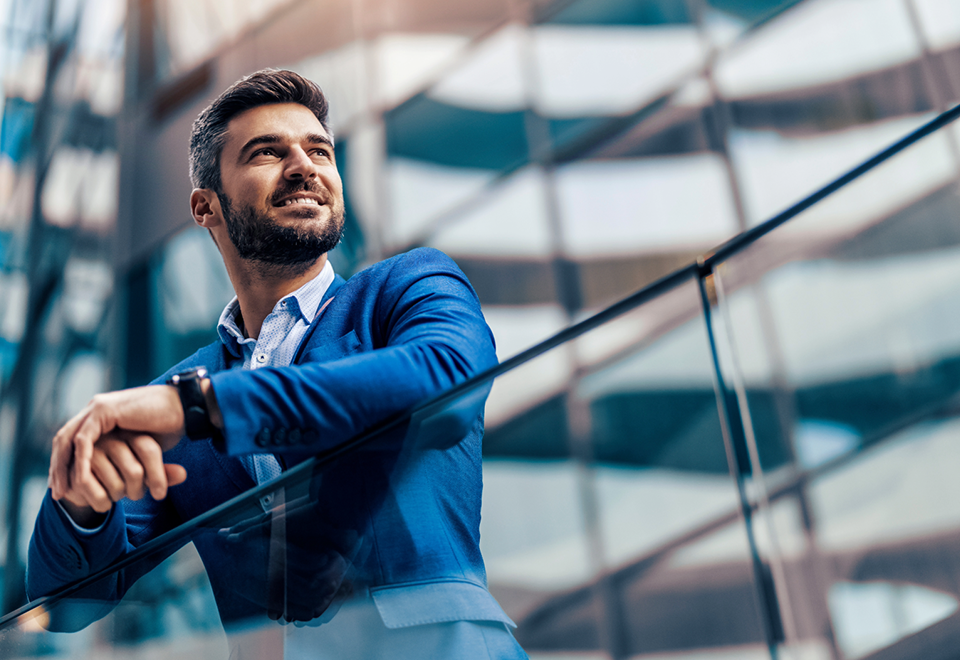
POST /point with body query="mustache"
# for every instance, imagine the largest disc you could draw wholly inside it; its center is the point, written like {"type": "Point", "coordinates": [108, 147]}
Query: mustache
{"type": "Point", "coordinates": [307, 185]}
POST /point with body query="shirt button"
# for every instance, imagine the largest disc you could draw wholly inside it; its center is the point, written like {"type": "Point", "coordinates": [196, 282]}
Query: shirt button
{"type": "Point", "coordinates": [261, 358]}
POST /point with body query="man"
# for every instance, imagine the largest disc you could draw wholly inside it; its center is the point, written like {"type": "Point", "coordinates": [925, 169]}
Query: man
{"type": "Point", "coordinates": [384, 552]}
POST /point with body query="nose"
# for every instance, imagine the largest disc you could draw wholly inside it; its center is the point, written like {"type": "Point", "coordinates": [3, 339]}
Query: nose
{"type": "Point", "coordinates": [298, 165]}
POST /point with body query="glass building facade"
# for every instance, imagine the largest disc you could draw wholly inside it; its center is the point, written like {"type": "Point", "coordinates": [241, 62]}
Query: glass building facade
{"type": "Point", "coordinates": [752, 457]}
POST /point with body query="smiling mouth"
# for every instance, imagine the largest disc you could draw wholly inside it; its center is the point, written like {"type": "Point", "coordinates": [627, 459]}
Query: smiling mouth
{"type": "Point", "coordinates": [311, 201]}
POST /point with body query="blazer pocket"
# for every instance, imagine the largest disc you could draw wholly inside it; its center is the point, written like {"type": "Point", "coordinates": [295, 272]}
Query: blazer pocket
{"type": "Point", "coordinates": [346, 345]}
{"type": "Point", "coordinates": [442, 601]}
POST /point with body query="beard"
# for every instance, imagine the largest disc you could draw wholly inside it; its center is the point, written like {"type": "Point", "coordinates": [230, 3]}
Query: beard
{"type": "Point", "coordinates": [277, 248]}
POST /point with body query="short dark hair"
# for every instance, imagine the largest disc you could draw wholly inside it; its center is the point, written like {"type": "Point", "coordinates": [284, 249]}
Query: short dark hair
{"type": "Point", "coordinates": [261, 88]}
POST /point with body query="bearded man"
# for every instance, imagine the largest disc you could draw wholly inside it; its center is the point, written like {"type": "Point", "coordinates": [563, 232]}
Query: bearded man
{"type": "Point", "coordinates": [304, 362]}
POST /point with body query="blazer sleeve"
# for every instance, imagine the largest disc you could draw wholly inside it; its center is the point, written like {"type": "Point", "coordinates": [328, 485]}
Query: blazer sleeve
{"type": "Point", "coordinates": [431, 335]}
{"type": "Point", "coordinates": [59, 555]}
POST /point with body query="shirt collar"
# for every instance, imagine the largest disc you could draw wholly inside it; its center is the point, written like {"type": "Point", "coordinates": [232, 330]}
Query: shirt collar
{"type": "Point", "coordinates": [303, 302]}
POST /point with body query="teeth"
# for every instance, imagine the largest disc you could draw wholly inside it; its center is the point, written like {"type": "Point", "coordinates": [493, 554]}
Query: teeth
{"type": "Point", "coordinates": [301, 200]}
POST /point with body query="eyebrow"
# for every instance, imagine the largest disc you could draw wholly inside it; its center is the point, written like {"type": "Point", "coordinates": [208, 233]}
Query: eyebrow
{"type": "Point", "coordinates": [273, 138]}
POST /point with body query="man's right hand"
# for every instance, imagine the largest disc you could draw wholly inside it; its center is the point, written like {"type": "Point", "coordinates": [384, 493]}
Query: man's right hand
{"type": "Point", "coordinates": [124, 464]}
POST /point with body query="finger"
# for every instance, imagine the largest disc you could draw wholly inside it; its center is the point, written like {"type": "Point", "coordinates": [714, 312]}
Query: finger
{"type": "Point", "coordinates": [61, 455]}
{"type": "Point", "coordinates": [108, 476]}
{"type": "Point", "coordinates": [151, 458]}
{"type": "Point", "coordinates": [89, 488]}
{"type": "Point", "coordinates": [92, 426]}
{"type": "Point", "coordinates": [176, 474]}
{"type": "Point", "coordinates": [127, 464]}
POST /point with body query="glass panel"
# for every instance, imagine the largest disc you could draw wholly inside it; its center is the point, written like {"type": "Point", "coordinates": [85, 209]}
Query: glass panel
{"type": "Point", "coordinates": [591, 491]}
{"type": "Point", "coordinates": [843, 342]}
{"type": "Point", "coordinates": [600, 499]}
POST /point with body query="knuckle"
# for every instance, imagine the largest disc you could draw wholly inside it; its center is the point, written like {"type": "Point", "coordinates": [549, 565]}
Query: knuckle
{"type": "Point", "coordinates": [135, 471]}
{"type": "Point", "coordinates": [150, 448]}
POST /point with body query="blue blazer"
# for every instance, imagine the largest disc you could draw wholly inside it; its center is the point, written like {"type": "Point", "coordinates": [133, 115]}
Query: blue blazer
{"type": "Point", "coordinates": [393, 335]}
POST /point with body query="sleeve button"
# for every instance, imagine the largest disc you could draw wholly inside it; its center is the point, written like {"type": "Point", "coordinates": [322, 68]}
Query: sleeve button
{"type": "Point", "coordinates": [263, 437]}
{"type": "Point", "coordinates": [294, 437]}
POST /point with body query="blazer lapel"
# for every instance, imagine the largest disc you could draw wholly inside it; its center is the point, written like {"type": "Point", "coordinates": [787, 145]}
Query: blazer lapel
{"type": "Point", "coordinates": [335, 286]}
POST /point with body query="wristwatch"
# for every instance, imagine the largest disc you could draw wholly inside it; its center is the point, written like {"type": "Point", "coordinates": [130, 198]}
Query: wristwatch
{"type": "Point", "coordinates": [196, 416]}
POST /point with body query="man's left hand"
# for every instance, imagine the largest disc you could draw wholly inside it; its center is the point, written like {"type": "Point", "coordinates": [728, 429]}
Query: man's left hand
{"type": "Point", "coordinates": [154, 410]}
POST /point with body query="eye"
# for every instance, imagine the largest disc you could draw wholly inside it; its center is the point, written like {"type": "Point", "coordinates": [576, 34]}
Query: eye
{"type": "Point", "coordinates": [265, 151]}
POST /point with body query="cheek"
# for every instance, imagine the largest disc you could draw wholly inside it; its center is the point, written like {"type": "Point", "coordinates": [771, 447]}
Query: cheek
{"type": "Point", "coordinates": [334, 183]}
{"type": "Point", "coordinates": [257, 189]}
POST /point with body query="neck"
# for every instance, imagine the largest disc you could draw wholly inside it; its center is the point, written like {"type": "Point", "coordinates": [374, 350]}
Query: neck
{"type": "Point", "coordinates": [259, 288]}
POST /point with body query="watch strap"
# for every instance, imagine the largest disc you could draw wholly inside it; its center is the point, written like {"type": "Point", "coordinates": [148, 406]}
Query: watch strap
{"type": "Point", "coordinates": [196, 416]}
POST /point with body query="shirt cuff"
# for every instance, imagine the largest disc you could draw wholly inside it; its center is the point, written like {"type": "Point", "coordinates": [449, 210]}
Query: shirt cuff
{"type": "Point", "coordinates": [84, 531]}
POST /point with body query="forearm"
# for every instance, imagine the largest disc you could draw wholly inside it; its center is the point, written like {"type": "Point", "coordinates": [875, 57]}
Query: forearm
{"type": "Point", "coordinates": [325, 404]}
{"type": "Point", "coordinates": [60, 554]}
{"type": "Point", "coordinates": [425, 334]}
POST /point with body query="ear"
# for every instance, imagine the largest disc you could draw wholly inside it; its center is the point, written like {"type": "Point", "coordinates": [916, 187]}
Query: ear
{"type": "Point", "coordinates": [205, 208]}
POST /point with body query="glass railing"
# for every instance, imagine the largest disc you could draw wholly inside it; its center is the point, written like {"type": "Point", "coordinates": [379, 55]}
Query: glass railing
{"type": "Point", "coordinates": [752, 457]}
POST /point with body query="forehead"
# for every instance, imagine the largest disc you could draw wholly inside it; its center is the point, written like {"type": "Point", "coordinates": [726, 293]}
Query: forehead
{"type": "Point", "coordinates": [290, 121]}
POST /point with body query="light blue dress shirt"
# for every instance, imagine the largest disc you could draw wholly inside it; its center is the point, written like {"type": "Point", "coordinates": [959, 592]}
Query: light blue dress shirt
{"type": "Point", "coordinates": [280, 336]}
